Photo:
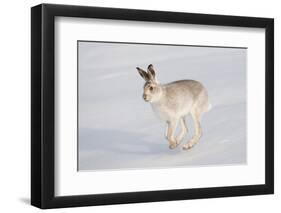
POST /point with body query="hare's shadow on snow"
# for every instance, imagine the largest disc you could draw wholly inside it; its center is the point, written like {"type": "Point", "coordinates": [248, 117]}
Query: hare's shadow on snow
{"type": "Point", "coordinates": [131, 143]}
{"type": "Point", "coordinates": [121, 142]}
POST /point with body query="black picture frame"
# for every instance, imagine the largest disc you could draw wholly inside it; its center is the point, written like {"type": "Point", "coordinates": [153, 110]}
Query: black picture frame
{"type": "Point", "coordinates": [43, 102]}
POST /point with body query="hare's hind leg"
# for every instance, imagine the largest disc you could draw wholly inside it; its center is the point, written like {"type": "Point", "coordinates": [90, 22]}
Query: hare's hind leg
{"type": "Point", "coordinates": [196, 116]}
{"type": "Point", "coordinates": [172, 125]}
{"type": "Point", "coordinates": [184, 130]}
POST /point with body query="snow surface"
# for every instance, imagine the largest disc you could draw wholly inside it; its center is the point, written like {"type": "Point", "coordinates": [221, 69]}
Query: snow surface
{"type": "Point", "coordinates": [118, 130]}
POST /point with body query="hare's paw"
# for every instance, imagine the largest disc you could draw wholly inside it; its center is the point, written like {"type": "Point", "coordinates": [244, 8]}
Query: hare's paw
{"type": "Point", "coordinates": [173, 145]}
{"type": "Point", "coordinates": [190, 144]}
{"type": "Point", "coordinates": [187, 146]}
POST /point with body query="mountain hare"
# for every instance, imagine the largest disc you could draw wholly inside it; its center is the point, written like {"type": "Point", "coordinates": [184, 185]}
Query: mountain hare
{"type": "Point", "coordinates": [172, 102]}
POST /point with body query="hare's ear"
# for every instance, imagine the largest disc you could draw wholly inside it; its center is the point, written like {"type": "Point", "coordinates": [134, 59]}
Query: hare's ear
{"type": "Point", "coordinates": [151, 72]}
{"type": "Point", "coordinates": [143, 74]}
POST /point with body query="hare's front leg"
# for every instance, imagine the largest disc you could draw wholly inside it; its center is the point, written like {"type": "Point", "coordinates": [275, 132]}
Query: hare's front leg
{"type": "Point", "coordinates": [172, 125]}
{"type": "Point", "coordinates": [184, 130]}
{"type": "Point", "coordinates": [196, 116]}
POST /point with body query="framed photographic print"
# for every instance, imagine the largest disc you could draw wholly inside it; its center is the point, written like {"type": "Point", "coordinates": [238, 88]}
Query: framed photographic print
{"type": "Point", "coordinates": [140, 106]}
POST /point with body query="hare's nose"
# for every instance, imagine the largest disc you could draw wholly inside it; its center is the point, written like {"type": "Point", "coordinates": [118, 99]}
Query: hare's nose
{"type": "Point", "coordinates": [144, 96]}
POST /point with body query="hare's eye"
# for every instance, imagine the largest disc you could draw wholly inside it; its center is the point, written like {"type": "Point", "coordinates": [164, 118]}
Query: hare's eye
{"type": "Point", "coordinates": [151, 88]}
